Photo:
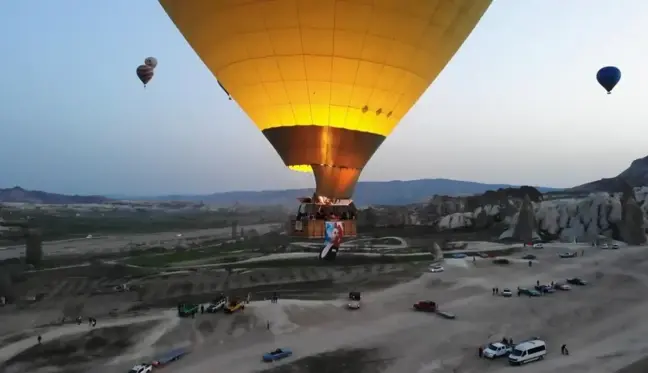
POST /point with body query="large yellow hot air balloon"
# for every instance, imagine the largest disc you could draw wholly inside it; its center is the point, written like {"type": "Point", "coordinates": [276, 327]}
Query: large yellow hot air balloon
{"type": "Point", "coordinates": [326, 81]}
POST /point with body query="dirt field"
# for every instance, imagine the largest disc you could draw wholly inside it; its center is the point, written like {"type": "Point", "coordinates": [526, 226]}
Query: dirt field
{"type": "Point", "coordinates": [103, 244]}
{"type": "Point", "coordinates": [603, 324]}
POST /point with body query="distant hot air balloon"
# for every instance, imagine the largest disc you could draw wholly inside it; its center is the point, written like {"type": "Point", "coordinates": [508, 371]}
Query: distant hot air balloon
{"type": "Point", "coordinates": [326, 81]}
{"type": "Point", "coordinates": [608, 77]}
{"type": "Point", "coordinates": [145, 73]}
{"type": "Point", "coordinates": [150, 61]}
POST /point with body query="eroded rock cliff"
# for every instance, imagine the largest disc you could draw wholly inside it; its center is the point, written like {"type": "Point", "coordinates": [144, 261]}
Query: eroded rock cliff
{"type": "Point", "coordinates": [620, 216]}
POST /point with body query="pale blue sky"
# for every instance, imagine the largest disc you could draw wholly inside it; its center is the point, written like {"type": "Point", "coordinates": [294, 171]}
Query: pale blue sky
{"type": "Point", "coordinates": [518, 104]}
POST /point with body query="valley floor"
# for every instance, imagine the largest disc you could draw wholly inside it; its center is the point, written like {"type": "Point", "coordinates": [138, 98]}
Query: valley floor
{"type": "Point", "coordinates": [604, 323]}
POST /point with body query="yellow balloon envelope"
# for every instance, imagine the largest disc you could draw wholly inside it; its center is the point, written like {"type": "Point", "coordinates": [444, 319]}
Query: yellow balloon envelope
{"type": "Point", "coordinates": [326, 81]}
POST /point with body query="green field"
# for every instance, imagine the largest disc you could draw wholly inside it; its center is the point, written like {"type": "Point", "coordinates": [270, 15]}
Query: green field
{"type": "Point", "coordinates": [68, 225]}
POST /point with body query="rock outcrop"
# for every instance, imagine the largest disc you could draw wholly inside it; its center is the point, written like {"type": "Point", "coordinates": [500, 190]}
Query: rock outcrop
{"type": "Point", "coordinates": [524, 229]}
{"type": "Point", "coordinates": [565, 216]}
{"type": "Point", "coordinates": [631, 226]}
{"type": "Point", "coordinates": [436, 251]}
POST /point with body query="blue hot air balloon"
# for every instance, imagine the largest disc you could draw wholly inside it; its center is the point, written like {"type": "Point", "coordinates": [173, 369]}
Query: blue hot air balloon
{"type": "Point", "coordinates": [608, 77]}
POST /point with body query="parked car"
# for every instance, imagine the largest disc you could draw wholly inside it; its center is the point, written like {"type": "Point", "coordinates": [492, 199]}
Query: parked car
{"type": "Point", "coordinates": [507, 293]}
{"type": "Point", "coordinates": [538, 246]}
{"type": "Point", "coordinates": [546, 289]}
{"type": "Point", "coordinates": [529, 292]}
{"type": "Point", "coordinates": [353, 305]}
{"type": "Point", "coordinates": [566, 255]}
{"type": "Point", "coordinates": [561, 286]}
{"type": "Point", "coordinates": [497, 349]}
{"type": "Point", "coordinates": [436, 268]}
{"type": "Point", "coordinates": [576, 281]}
{"type": "Point", "coordinates": [141, 368]}
{"type": "Point", "coordinates": [530, 257]}
{"type": "Point", "coordinates": [425, 306]}
{"type": "Point", "coordinates": [278, 354]}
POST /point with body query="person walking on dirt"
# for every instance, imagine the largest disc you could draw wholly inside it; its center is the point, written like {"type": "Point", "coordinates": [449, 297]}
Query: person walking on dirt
{"type": "Point", "coordinates": [40, 339]}
{"type": "Point", "coordinates": [480, 351]}
{"type": "Point", "coordinates": [510, 342]}
{"type": "Point", "coordinates": [268, 325]}
{"type": "Point", "coordinates": [94, 322]}
{"type": "Point", "coordinates": [202, 308]}
{"type": "Point", "coordinates": [563, 350]}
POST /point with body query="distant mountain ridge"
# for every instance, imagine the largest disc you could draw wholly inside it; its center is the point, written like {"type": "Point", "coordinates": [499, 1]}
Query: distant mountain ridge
{"type": "Point", "coordinates": [18, 194]}
{"type": "Point", "coordinates": [367, 193]}
{"type": "Point", "coordinates": [634, 176]}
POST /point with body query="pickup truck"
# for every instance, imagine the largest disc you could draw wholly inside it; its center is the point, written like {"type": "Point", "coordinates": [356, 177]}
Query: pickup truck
{"type": "Point", "coordinates": [497, 349]}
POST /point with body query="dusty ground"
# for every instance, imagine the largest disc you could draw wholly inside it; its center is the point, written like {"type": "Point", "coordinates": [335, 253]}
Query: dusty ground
{"type": "Point", "coordinates": [105, 244]}
{"type": "Point", "coordinates": [604, 324]}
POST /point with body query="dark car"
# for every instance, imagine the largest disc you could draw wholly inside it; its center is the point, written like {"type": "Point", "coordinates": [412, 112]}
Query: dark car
{"type": "Point", "coordinates": [576, 281]}
{"type": "Point", "coordinates": [354, 295]}
{"type": "Point", "coordinates": [547, 289]}
{"type": "Point", "coordinates": [169, 357]}
{"type": "Point", "coordinates": [529, 257]}
{"type": "Point", "coordinates": [529, 292]}
{"type": "Point", "coordinates": [278, 354]}
{"type": "Point", "coordinates": [425, 306]}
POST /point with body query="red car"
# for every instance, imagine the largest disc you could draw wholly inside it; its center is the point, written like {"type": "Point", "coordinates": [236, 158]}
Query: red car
{"type": "Point", "coordinates": [425, 306]}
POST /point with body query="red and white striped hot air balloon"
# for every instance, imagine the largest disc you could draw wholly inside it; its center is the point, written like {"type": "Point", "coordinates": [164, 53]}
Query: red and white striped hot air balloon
{"type": "Point", "coordinates": [145, 74]}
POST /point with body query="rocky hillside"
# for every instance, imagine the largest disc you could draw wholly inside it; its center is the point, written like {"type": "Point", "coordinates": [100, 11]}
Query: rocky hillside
{"type": "Point", "coordinates": [636, 176]}
{"type": "Point", "coordinates": [18, 194]}
{"type": "Point", "coordinates": [524, 214]}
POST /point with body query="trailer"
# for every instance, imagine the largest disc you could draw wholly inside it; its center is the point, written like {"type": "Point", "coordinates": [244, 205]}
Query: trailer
{"type": "Point", "coordinates": [446, 315]}
{"type": "Point", "coordinates": [169, 357]}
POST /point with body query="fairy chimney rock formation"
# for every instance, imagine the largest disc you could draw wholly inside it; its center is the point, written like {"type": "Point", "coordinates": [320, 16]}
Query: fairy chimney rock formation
{"type": "Point", "coordinates": [631, 226]}
{"type": "Point", "coordinates": [436, 251]}
{"type": "Point", "coordinates": [525, 228]}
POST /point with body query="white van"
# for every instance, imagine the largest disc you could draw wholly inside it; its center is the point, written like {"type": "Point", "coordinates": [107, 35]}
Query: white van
{"type": "Point", "coordinates": [527, 352]}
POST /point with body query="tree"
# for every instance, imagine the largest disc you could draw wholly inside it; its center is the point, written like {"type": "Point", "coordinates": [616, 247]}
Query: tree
{"type": "Point", "coordinates": [33, 247]}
